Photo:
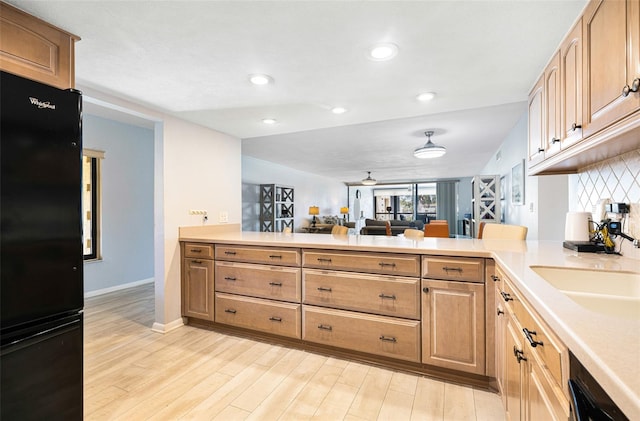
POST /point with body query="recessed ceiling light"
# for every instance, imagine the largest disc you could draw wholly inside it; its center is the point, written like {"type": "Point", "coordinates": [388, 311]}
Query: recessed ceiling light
{"type": "Point", "coordinates": [269, 121]}
{"type": "Point", "coordinates": [258, 79]}
{"type": "Point", "coordinates": [338, 110]}
{"type": "Point", "coordinates": [381, 52]}
{"type": "Point", "coordinates": [426, 96]}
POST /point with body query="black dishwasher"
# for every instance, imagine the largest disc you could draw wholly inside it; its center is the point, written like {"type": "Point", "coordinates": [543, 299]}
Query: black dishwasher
{"type": "Point", "coordinates": [589, 402]}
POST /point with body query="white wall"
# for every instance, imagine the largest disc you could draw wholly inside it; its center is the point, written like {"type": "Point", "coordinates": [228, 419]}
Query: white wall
{"type": "Point", "coordinates": [127, 203]}
{"type": "Point", "coordinates": [546, 197]}
{"type": "Point", "coordinates": [194, 168]}
{"type": "Point", "coordinates": [309, 190]}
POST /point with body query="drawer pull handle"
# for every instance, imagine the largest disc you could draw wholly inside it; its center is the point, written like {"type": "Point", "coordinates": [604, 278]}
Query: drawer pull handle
{"type": "Point", "coordinates": [506, 297]}
{"type": "Point", "coordinates": [324, 260]}
{"type": "Point", "coordinates": [275, 319]}
{"type": "Point", "coordinates": [495, 278]}
{"type": "Point", "coordinates": [196, 251]}
{"type": "Point", "coordinates": [389, 297]}
{"type": "Point", "coordinates": [198, 262]}
{"type": "Point", "coordinates": [532, 342]}
{"type": "Point", "coordinates": [324, 289]}
{"type": "Point", "coordinates": [519, 354]}
{"type": "Point", "coordinates": [230, 310]}
{"type": "Point", "coordinates": [275, 284]}
{"type": "Point", "coordinates": [230, 253]}
{"type": "Point", "coordinates": [448, 269]}
{"type": "Point", "coordinates": [554, 140]}
{"type": "Point", "coordinates": [540, 150]}
{"type": "Point", "coordinates": [229, 278]}
{"type": "Point", "coordinates": [275, 256]}
{"type": "Point", "coordinates": [388, 339]}
{"type": "Point", "coordinates": [575, 126]}
{"type": "Point", "coordinates": [383, 264]}
{"type": "Point", "coordinates": [325, 327]}
{"type": "Point", "coordinates": [500, 312]}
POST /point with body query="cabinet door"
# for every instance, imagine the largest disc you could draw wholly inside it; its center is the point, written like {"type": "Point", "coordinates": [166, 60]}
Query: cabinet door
{"type": "Point", "coordinates": [552, 84]}
{"type": "Point", "coordinates": [453, 328]}
{"type": "Point", "coordinates": [541, 402]}
{"type": "Point", "coordinates": [197, 289]}
{"type": "Point", "coordinates": [536, 123]}
{"type": "Point", "coordinates": [501, 331]}
{"type": "Point", "coordinates": [513, 371]}
{"type": "Point", "coordinates": [571, 98]}
{"type": "Point", "coordinates": [611, 61]}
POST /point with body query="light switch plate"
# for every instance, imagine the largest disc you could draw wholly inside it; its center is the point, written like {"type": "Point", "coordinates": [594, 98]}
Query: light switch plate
{"type": "Point", "coordinates": [223, 217]}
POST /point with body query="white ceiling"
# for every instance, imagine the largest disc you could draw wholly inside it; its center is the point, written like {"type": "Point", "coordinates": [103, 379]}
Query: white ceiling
{"type": "Point", "coordinates": [192, 59]}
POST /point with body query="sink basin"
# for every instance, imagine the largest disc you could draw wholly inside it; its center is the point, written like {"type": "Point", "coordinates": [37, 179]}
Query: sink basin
{"type": "Point", "coordinates": [607, 292]}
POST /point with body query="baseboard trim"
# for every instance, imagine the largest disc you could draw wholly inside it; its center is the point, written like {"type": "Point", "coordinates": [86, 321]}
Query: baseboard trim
{"type": "Point", "coordinates": [118, 287]}
{"type": "Point", "coordinates": [168, 327]}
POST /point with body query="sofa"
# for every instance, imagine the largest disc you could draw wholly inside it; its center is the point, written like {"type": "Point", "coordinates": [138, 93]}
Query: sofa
{"type": "Point", "coordinates": [375, 227]}
{"type": "Point", "coordinates": [324, 224]}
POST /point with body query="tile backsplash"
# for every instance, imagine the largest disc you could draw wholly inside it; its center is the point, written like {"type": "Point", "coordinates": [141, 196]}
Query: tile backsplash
{"type": "Point", "coordinates": [617, 179]}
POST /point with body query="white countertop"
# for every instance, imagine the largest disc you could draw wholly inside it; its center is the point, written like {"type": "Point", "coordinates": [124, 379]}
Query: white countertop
{"type": "Point", "coordinates": [609, 347]}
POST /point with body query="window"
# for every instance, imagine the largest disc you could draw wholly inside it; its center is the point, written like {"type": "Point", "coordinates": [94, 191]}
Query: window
{"type": "Point", "coordinates": [394, 203]}
{"type": "Point", "coordinates": [91, 203]}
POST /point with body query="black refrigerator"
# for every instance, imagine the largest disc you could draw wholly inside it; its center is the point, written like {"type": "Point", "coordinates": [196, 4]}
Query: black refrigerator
{"type": "Point", "coordinates": [41, 256]}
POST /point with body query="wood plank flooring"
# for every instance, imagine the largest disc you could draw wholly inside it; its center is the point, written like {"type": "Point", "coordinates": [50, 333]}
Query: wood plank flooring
{"type": "Point", "coordinates": [132, 373]}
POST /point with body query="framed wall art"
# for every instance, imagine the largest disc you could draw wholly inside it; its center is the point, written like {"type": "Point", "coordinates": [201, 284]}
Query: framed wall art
{"type": "Point", "coordinates": [517, 184]}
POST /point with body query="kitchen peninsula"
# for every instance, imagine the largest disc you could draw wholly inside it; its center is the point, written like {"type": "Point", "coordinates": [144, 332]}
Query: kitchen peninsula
{"type": "Point", "coordinates": [435, 272]}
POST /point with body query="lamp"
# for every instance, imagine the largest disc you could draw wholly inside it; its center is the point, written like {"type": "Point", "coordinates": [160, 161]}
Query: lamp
{"type": "Point", "coordinates": [314, 210]}
{"type": "Point", "coordinates": [369, 181]}
{"type": "Point", "coordinates": [344, 211]}
{"type": "Point", "coordinates": [430, 149]}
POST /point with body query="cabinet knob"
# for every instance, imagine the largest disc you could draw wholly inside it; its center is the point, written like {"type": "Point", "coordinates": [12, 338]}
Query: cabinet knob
{"type": "Point", "coordinates": [495, 278]}
{"type": "Point", "coordinates": [626, 91]}
{"type": "Point", "coordinates": [635, 86]}
{"type": "Point", "coordinates": [425, 290]}
{"type": "Point", "coordinates": [575, 126]}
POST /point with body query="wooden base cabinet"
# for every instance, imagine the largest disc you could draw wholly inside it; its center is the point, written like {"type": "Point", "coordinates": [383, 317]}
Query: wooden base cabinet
{"type": "Point", "coordinates": [535, 362]}
{"type": "Point", "coordinates": [453, 327]}
{"type": "Point", "coordinates": [197, 288]}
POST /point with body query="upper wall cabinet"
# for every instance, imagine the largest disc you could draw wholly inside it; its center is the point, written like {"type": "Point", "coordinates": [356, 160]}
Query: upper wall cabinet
{"type": "Point", "coordinates": [34, 49]}
{"type": "Point", "coordinates": [591, 107]}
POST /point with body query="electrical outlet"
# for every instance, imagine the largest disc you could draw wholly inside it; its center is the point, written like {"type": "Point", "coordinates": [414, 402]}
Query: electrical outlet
{"type": "Point", "coordinates": [197, 212]}
{"type": "Point", "coordinates": [223, 217]}
{"type": "Point", "coordinates": [530, 206]}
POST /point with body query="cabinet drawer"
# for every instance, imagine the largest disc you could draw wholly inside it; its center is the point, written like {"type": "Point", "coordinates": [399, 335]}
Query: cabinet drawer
{"type": "Point", "coordinates": [389, 264]}
{"type": "Point", "coordinates": [203, 251]}
{"type": "Point", "coordinates": [386, 295]}
{"type": "Point", "coordinates": [258, 314]}
{"type": "Point", "coordinates": [548, 347]}
{"type": "Point", "coordinates": [385, 336]}
{"type": "Point", "coordinates": [467, 269]}
{"type": "Point", "coordinates": [272, 256]}
{"type": "Point", "coordinates": [274, 282]}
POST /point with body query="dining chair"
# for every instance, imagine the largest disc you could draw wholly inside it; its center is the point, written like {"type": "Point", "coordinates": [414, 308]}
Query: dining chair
{"type": "Point", "coordinates": [387, 226]}
{"type": "Point", "coordinates": [504, 232]}
{"type": "Point", "coordinates": [436, 230]}
{"type": "Point", "coordinates": [414, 234]}
{"type": "Point", "coordinates": [286, 230]}
{"type": "Point", "coordinates": [438, 221]}
{"type": "Point", "coordinates": [340, 230]}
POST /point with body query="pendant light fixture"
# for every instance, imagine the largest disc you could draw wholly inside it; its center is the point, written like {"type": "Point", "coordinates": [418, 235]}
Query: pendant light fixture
{"type": "Point", "coordinates": [369, 181]}
{"type": "Point", "coordinates": [430, 149]}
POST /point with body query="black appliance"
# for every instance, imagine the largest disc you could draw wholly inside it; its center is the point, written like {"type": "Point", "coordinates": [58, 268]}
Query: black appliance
{"type": "Point", "coordinates": [41, 257]}
{"type": "Point", "coordinates": [589, 402]}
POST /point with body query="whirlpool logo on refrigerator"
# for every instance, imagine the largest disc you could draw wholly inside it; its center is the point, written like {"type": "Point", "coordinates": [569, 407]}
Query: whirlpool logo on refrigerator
{"type": "Point", "coordinates": [42, 104]}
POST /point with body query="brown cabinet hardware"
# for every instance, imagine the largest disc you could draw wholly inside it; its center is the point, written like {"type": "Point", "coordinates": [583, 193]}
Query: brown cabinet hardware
{"type": "Point", "coordinates": [389, 297]}
{"type": "Point", "coordinates": [229, 278]}
{"type": "Point", "coordinates": [500, 312]}
{"type": "Point", "coordinates": [196, 251]}
{"type": "Point", "coordinates": [383, 264]}
{"type": "Point", "coordinates": [324, 327]}
{"type": "Point", "coordinates": [449, 269]}
{"type": "Point", "coordinates": [324, 260]}
{"type": "Point", "coordinates": [275, 319]}
{"type": "Point", "coordinates": [495, 278]}
{"type": "Point", "coordinates": [230, 253]}
{"type": "Point", "coordinates": [388, 338]}
{"type": "Point", "coordinates": [519, 354]}
{"type": "Point", "coordinates": [575, 126]}
{"type": "Point", "coordinates": [506, 297]}
{"type": "Point", "coordinates": [324, 289]}
{"type": "Point", "coordinates": [425, 290]}
{"type": "Point", "coordinates": [198, 262]}
{"type": "Point", "coordinates": [275, 284]}
{"type": "Point", "coordinates": [275, 256]}
{"type": "Point", "coordinates": [230, 310]}
{"type": "Point", "coordinates": [532, 342]}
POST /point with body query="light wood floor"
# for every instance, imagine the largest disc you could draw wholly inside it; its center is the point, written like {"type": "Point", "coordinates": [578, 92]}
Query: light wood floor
{"type": "Point", "coordinates": [132, 373]}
